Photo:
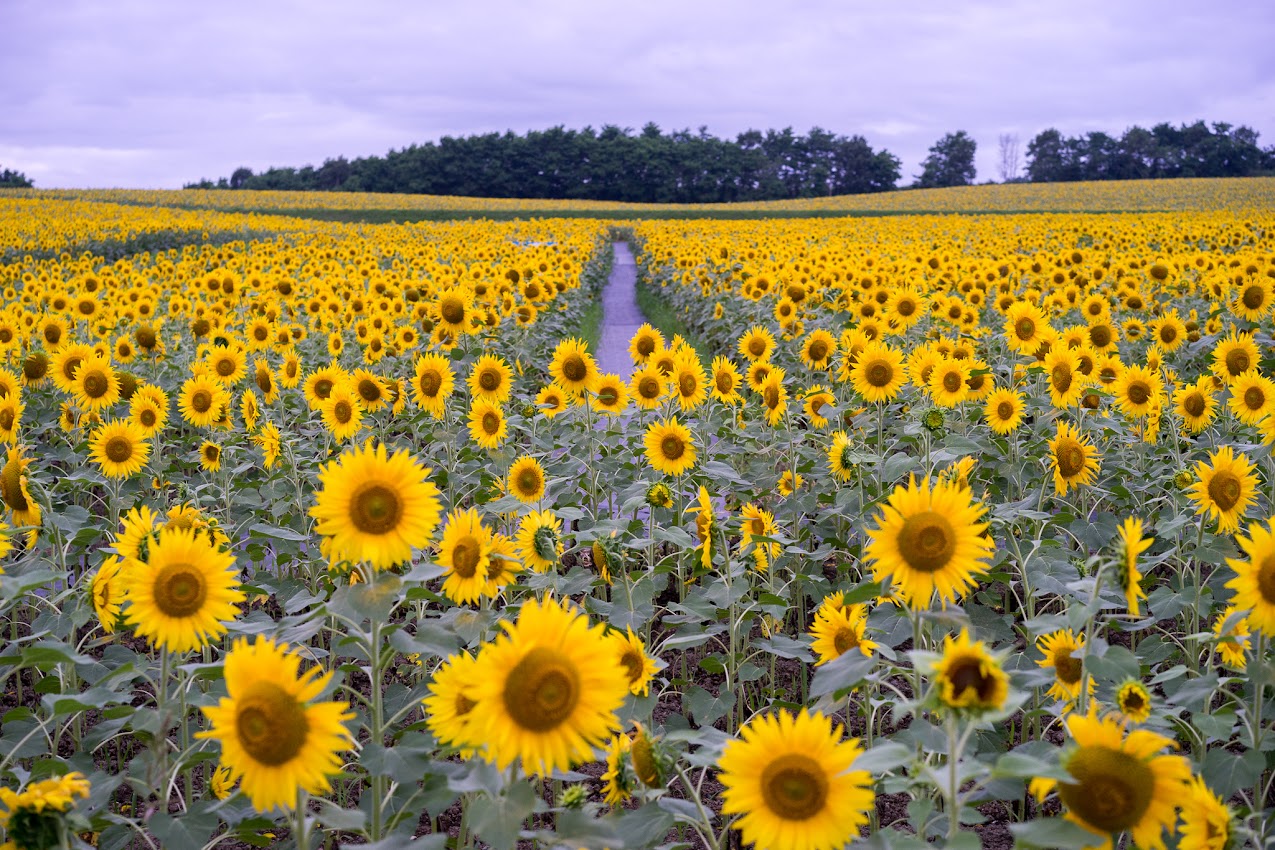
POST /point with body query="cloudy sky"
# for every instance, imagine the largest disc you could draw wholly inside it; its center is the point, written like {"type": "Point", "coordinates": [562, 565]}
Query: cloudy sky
{"type": "Point", "coordinates": [155, 93]}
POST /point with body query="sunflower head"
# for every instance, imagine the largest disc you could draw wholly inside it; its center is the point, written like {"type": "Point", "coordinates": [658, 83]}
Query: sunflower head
{"type": "Point", "coordinates": [968, 678]}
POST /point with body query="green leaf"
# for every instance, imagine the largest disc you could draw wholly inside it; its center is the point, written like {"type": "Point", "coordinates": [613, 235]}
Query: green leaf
{"type": "Point", "coordinates": [499, 819]}
{"type": "Point", "coordinates": [883, 757]}
{"type": "Point", "coordinates": [1052, 834]}
{"type": "Point", "coordinates": [1018, 765]}
{"type": "Point", "coordinates": [841, 674]}
{"type": "Point", "coordinates": [274, 532]}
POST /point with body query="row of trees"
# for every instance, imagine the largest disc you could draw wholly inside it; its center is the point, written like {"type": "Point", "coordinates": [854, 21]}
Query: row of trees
{"type": "Point", "coordinates": [11, 179]}
{"type": "Point", "coordinates": [611, 164]}
{"type": "Point", "coordinates": [1194, 150]}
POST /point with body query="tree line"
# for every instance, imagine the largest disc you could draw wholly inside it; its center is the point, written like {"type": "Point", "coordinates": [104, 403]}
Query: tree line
{"type": "Point", "coordinates": [611, 164]}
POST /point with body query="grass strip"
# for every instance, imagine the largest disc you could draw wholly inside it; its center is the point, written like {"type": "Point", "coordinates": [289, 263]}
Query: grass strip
{"type": "Point", "coordinates": [664, 318]}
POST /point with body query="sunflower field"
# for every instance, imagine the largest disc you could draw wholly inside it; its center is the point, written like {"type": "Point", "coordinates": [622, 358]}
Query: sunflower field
{"type": "Point", "coordinates": [925, 530]}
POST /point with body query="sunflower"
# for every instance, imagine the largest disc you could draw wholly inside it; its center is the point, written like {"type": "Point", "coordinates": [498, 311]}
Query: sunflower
{"type": "Point", "coordinates": [202, 400]}
{"type": "Point", "coordinates": [455, 311]}
{"type": "Point", "coordinates": [290, 370]}
{"type": "Point", "coordinates": [645, 342]}
{"type": "Point", "coordinates": [788, 484]}
{"type": "Point", "coordinates": [264, 378]}
{"type": "Point", "coordinates": [227, 365]}
{"type": "Point", "coordinates": [968, 677]}
{"type": "Point", "coordinates": [96, 386]}
{"type": "Point", "coordinates": [688, 381]}
{"type": "Point", "coordinates": [539, 545]}
{"type": "Point", "coordinates": [14, 492]}
{"type": "Point", "coordinates": [1232, 641]}
{"type": "Point", "coordinates": [342, 412]}
{"type": "Point", "coordinates": [551, 400]}
{"type": "Point", "coordinates": [210, 456]}
{"type": "Point", "coordinates": [320, 383]}
{"type": "Point", "coordinates": [1234, 355]}
{"type": "Point", "coordinates": [841, 457]}
{"type": "Point", "coordinates": [1227, 486]}
{"type": "Point", "coordinates": [1253, 299]}
{"type": "Point", "coordinates": [11, 409]}
{"type": "Point", "coordinates": [669, 447]}
{"type": "Point", "coordinates": [449, 707]}
{"type": "Point", "coordinates": [792, 781]}
{"type": "Point", "coordinates": [376, 508]}
{"type": "Point", "coordinates": [818, 349]}
{"type": "Point", "coordinates": [572, 367]}
{"type": "Point", "coordinates": [948, 382]}
{"type": "Point", "coordinates": [1252, 397]}
{"type": "Point", "coordinates": [1131, 544]}
{"type": "Point", "coordinates": [647, 386]}
{"type": "Point", "coordinates": [1133, 701]}
{"type": "Point", "coordinates": [1137, 391]}
{"type": "Point", "coordinates": [610, 395]}
{"type": "Point", "coordinates": [1026, 328]}
{"type": "Point", "coordinates": [726, 381]}
{"type": "Point", "coordinates": [929, 539]}
{"type": "Point", "coordinates": [490, 379]}
{"type": "Point", "coordinates": [1074, 459]}
{"type": "Point", "coordinates": [1066, 382]}
{"type": "Point", "coordinates": [108, 592]}
{"type": "Point", "coordinates": [526, 479]}
{"type": "Point", "coordinates": [838, 630]}
{"type": "Point", "coordinates": [1063, 651]}
{"type": "Point", "coordinates": [757, 343]}
{"type": "Point", "coordinates": [1196, 404]}
{"type": "Point", "coordinates": [268, 438]}
{"type": "Point", "coordinates": [1254, 581]}
{"type": "Point", "coordinates": [182, 592]}
{"type": "Point", "coordinates": [630, 655]}
{"type": "Point", "coordinates": [1120, 782]}
{"type": "Point", "coordinates": [617, 785]}
{"type": "Point", "coordinates": [272, 732]}
{"type": "Point", "coordinates": [66, 362]}
{"type": "Point", "coordinates": [758, 372]}
{"type": "Point", "coordinates": [502, 565]}
{"type": "Point", "coordinates": [487, 424]}
{"type": "Point", "coordinates": [465, 554]}
{"type": "Point", "coordinates": [1004, 410]}
{"type": "Point", "coordinates": [119, 448]}
{"type": "Point", "coordinates": [878, 375]}
{"type": "Point", "coordinates": [432, 383]}
{"type": "Point", "coordinates": [1206, 820]}
{"type": "Point", "coordinates": [372, 390]}
{"type": "Point", "coordinates": [774, 396]}
{"type": "Point", "coordinates": [755, 522]}
{"type": "Point", "coordinates": [541, 696]}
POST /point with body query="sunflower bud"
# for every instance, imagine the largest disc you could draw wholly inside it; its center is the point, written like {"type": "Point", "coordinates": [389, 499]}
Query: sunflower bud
{"type": "Point", "coordinates": [651, 763]}
{"type": "Point", "coordinates": [933, 420]}
{"type": "Point", "coordinates": [573, 797]}
{"type": "Point", "coordinates": [658, 495]}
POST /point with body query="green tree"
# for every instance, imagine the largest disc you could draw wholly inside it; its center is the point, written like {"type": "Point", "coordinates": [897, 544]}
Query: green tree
{"type": "Point", "coordinates": [950, 163]}
{"type": "Point", "coordinates": [11, 179]}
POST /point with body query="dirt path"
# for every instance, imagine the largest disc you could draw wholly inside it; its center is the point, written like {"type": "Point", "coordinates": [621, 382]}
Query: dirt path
{"type": "Point", "coordinates": [620, 315]}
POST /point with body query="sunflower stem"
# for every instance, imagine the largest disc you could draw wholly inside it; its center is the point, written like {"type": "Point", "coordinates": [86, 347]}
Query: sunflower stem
{"type": "Point", "coordinates": [378, 719]}
{"type": "Point", "coordinates": [300, 831]}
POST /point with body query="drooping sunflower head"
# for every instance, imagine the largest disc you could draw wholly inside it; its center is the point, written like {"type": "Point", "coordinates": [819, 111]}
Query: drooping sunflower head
{"type": "Point", "coordinates": [1254, 579]}
{"type": "Point", "coordinates": [1134, 701]}
{"type": "Point", "coordinates": [968, 678]}
{"type": "Point", "coordinates": [630, 654]}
